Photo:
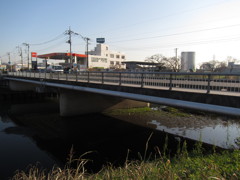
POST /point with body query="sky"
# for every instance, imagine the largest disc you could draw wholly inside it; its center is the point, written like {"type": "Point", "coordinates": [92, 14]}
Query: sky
{"type": "Point", "coordinates": [138, 28]}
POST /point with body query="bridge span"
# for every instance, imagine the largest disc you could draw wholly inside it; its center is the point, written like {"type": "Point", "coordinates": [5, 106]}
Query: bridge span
{"type": "Point", "coordinates": [217, 93]}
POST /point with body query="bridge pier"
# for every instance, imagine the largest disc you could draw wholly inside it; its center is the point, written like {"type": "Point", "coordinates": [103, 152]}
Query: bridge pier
{"type": "Point", "coordinates": [77, 103]}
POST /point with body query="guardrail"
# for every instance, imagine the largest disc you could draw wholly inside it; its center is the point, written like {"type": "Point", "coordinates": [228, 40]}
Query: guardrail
{"type": "Point", "coordinates": [201, 82]}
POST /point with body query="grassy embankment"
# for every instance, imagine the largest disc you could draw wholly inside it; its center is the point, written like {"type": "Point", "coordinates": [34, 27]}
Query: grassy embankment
{"type": "Point", "coordinates": [185, 165]}
{"type": "Point", "coordinates": [195, 164]}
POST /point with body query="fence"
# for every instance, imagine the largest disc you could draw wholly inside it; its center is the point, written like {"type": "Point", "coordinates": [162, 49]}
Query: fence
{"type": "Point", "coordinates": [201, 82]}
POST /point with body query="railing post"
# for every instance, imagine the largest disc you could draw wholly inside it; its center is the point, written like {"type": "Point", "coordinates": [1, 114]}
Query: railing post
{"type": "Point", "coordinates": [102, 77]}
{"type": "Point", "coordinates": [142, 80]}
{"type": "Point", "coordinates": [208, 86]}
{"type": "Point", "coordinates": [170, 83]}
{"type": "Point", "coordinates": [88, 78]}
{"type": "Point", "coordinates": [120, 79]}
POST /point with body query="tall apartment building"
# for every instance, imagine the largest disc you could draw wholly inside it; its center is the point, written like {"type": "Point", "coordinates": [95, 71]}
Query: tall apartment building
{"type": "Point", "coordinates": [102, 57]}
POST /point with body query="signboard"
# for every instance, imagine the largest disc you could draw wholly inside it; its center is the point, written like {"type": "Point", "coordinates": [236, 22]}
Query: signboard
{"type": "Point", "coordinates": [34, 54]}
{"type": "Point", "coordinates": [100, 40]}
{"type": "Point", "coordinates": [74, 64]}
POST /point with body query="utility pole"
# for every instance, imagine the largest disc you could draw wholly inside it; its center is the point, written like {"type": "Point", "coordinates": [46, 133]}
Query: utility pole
{"type": "Point", "coordinates": [9, 61]}
{"type": "Point", "coordinates": [177, 64]}
{"type": "Point", "coordinates": [20, 54]}
{"type": "Point", "coordinates": [87, 39]}
{"type": "Point", "coordinates": [28, 53]}
{"type": "Point", "coordinates": [69, 33]}
{"type": "Point", "coordinates": [176, 49]}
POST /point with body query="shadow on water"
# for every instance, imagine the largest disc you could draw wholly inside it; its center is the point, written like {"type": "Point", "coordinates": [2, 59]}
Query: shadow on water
{"type": "Point", "coordinates": [36, 133]}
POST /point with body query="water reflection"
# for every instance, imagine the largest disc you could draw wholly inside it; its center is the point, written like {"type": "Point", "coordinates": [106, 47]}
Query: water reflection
{"type": "Point", "coordinates": [220, 131]}
{"type": "Point", "coordinates": [36, 133]}
{"type": "Point", "coordinates": [224, 134]}
{"type": "Point", "coordinates": [18, 152]}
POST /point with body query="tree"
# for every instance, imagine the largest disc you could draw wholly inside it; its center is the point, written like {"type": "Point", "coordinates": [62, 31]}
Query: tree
{"type": "Point", "coordinates": [165, 63]}
{"type": "Point", "coordinates": [214, 66]}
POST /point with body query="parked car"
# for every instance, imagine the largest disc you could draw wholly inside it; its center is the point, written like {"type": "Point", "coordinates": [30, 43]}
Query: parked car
{"type": "Point", "coordinates": [55, 68]}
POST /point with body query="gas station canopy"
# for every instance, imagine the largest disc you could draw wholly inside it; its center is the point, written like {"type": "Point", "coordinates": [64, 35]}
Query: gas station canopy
{"type": "Point", "coordinates": [61, 56]}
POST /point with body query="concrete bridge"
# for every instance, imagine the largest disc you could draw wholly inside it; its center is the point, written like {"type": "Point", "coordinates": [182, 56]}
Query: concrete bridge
{"type": "Point", "coordinates": [87, 92]}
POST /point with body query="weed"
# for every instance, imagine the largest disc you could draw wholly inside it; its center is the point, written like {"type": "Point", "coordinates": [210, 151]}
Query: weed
{"type": "Point", "coordinates": [185, 165]}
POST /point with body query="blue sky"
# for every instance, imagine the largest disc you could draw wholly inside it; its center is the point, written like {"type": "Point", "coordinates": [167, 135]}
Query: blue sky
{"type": "Point", "coordinates": [139, 28]}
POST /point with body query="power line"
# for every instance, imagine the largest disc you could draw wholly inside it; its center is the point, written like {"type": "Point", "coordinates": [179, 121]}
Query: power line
{"type": "Point", "coordinates": [174, 27]}
{"type": "Point", "coordinates": [54, 39]}
{"type": "Point", "coordinates": [52, 46]}
{"type": "Point", "coordinates": [187, 43]}
{"type": "Point", "coordinates": [176, 34]}
{"type": "Point", "coordinates": [162, 17]}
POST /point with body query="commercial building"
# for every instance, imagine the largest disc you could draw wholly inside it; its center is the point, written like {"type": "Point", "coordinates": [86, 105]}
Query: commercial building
{"type": "Point", "coordinates": [102, 57]}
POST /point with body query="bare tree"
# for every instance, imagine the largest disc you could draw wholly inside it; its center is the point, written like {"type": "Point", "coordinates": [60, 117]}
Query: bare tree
{"type": "Point", "coordinates": [165, 63]}
{"type": "Point", "coordinates": [214, 66]}
{"type": "Point", "coordinates": [172, 63]}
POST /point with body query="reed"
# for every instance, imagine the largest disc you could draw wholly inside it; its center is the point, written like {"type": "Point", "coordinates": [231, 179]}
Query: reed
{"type": "Point", "coordinates": [184, 165]}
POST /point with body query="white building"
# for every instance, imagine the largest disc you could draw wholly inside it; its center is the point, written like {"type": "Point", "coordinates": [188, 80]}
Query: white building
{"type": "Point", "coordinates": [102, 57]}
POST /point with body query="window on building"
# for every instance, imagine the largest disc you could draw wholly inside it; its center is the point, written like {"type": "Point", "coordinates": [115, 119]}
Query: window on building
{"type": "Point", "coordinates": [111, 55]}
{"type": "Point", "coordinates": [123, 57]}
{"type": "Point", "coordinates": [117, 56]}
{"type": "Point", "coordinates": [111, 62]}
{"type": "Point", "coordinates": [117, 63]}
{"type": "Point", "coordinates": [106, 48]}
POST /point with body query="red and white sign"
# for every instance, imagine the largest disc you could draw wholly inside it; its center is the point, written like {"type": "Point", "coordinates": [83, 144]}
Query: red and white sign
{"type": "Point", "coordinates": [34, 54]}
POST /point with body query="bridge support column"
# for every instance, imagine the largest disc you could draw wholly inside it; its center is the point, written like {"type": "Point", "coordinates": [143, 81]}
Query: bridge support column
{"type": "Point", "coordinates": [77, 103]}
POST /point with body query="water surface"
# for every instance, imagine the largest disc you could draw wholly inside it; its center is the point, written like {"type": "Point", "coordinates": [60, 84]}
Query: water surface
{"type": "Point", "coordinates": [33, 133]}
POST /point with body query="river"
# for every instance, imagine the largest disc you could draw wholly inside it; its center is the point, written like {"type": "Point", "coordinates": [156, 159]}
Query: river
{"type": "Point", "coordinates": [34, 133]}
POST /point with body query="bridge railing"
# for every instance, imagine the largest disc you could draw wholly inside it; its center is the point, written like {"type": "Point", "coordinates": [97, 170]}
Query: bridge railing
{"type": "Point", "coordinates": [201, 82]}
